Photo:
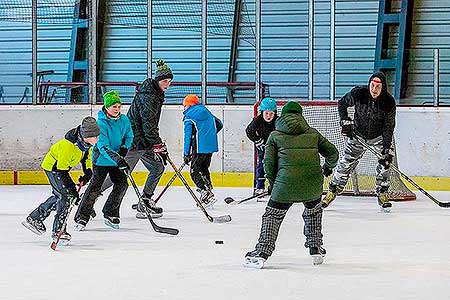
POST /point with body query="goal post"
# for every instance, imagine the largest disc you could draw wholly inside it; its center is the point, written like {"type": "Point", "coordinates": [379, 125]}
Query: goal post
{"type": "Point", "coordinates": [324, 116]}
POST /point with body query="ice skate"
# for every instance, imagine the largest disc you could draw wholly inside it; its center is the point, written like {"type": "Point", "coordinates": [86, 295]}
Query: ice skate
{"type": "Point", "coordinates": [317, 254]}
{"type": "Point", "coordinates": [35, 226]}
{"type": "Point", "coordinates": [207, 198]}
{"type": "Point", "coordinates": [112, 222]}
{"type": "Point", "coordinates": [255, 259]}
{"type": "Point", "coordinates": [329, 197]}
{"type": "Point", "coordinates": [80, 225]}
{"type": "Point", "coordinates": [64, 240]}
{"type": "Point", "coordinates": [150, 205]}
{"type": "Point", "coordinates": [383, 201]}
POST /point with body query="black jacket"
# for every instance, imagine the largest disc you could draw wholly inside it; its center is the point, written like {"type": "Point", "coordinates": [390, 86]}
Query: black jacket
{"type": "Point", "coordinates": [373, 117]}
{"type": "Point", "coordinates": [144, 115]}
{"type": "Point", "coordinates": [260, 129]}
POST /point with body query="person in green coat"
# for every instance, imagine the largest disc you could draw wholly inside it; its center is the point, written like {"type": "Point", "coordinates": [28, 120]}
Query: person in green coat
{"type": "Point", "coordinates": [293, 169]}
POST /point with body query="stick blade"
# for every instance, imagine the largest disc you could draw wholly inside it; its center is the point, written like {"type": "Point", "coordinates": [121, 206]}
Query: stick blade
{"type": "Point", "coordinates": [166, 230]}
{"type": "Point", "coordinates": [221, 219]}
{"type": "Point", "coordinates": [228, 200]}
{"type": "Point", "coordinates": [444, 204]}
{"type": "Point", "coordinates": [53, 246]}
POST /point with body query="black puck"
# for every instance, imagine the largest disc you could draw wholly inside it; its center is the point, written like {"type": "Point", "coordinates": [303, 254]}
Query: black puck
{"type": "Point", "coordinates": [219, 242]}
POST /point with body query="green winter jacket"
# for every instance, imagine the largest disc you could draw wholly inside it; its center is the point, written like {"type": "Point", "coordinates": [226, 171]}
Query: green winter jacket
{"type": "Point", "coordinates": [292, 162]}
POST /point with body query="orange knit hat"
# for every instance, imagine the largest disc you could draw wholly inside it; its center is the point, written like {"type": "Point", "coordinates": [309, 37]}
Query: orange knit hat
{"type": "Point", "coordinates": [190, 100]}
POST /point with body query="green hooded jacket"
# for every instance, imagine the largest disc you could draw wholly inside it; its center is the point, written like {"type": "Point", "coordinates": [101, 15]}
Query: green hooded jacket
{"type": "Point", "coordinates": [292, 162]}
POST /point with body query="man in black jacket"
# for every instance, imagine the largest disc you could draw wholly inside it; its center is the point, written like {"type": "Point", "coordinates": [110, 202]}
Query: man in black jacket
{"type": "Point", "coordinates": [144, 115]}
{"type": "Point", "coordinates": [374, 121]}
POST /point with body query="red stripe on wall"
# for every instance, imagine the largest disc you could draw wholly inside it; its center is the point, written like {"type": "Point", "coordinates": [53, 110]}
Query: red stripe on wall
{"type": "Point", "coordinates": [15, 177]}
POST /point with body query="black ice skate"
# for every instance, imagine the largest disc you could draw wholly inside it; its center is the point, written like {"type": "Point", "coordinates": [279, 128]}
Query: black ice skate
{"type": "Point", "coordinates": [112, 222]}
{"type": "Point", "coordinates": [317, 254]}
{"type": "Point", "coordinates": [255, 259]}
{"type": "Point", "coordinates": [35, 226]}
{"type": "Point", "coordinates": [150, 205]}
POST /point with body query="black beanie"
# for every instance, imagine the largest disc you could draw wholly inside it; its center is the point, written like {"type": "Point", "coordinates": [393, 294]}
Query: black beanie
{"type": "Point", "coordinates": [163, 71]}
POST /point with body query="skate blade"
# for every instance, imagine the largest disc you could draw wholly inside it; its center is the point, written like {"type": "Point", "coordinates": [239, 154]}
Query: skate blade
{"type": "Point", "coordinates": [254, 263]}
{"type": "Point", "coordinates": [111, 225]}
{"type": "Point", "coordinates": [317, 259]}
{"type": "Point", "coordinates": [79, 227]}
{"type": "Point", "coordinates": [31, 228]}
{"type": "Point", "coordinates": [142, 216]}
{"type": "Point", "coordinates": [385, 210]}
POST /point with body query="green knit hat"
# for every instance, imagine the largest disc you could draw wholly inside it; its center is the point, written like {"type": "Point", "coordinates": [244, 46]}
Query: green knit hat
{"type": "Point", "coordinates": [110, 98]}
{"type": "Point", "coordinates": [292, 107]}
{"type": "Point", "coordinates": [163, 71]}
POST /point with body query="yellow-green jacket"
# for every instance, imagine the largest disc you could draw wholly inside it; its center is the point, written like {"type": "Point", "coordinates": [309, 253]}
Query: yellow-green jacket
{"type": "Point", "coordinates": [65, 154]}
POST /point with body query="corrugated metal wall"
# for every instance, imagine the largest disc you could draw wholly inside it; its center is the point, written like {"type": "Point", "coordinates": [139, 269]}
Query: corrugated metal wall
{"type": "Point", "coordinates": [177, 38]}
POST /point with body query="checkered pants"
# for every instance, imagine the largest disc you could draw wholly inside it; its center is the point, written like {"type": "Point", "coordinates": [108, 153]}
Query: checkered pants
{"type": "Point", "coordinates": [273, 217]}
{"type": "Point", "coordinates": [349, 160]}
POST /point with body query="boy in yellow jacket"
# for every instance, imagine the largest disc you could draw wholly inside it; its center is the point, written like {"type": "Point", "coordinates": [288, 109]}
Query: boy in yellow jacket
{"type": "Point", "coordinates": [73, 149]}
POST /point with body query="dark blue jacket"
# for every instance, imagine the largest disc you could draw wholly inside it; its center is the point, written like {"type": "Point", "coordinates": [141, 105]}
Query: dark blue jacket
{"type": "Point", "coordinates": [200, 130]}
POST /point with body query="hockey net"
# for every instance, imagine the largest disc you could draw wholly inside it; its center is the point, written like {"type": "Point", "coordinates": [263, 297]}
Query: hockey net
{"type": "Point", "coordinates": [324, 116]}
{"type": "Point", "coordinates": [217, 92]}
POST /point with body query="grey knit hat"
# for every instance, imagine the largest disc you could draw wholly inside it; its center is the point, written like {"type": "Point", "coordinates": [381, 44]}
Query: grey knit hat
{"type": "Point", "coordinates": [163, 71]}
{"type": "Point", "coordinates": [89, 128]}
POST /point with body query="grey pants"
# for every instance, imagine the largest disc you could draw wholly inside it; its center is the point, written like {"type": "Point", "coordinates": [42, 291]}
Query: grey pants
{"type": "Point", "coordinates": [273, 217]}
{"type": "Point", "coordinates": [153, 164]}
{"type": "Point", "coordinates": [349, 160]}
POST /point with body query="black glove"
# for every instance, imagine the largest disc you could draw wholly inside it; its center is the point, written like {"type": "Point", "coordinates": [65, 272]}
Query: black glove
{"type": "Point", "coordinates": [123, 165]}
{"type": "Point", "coordinates": [86, 177]}
{"type": "Point", "coordinates": [270, 187]}
{"type": "Point", "coordinates": [260, 145]}
{"type": "Point", "coordinates": [347, 127]}
{"type": "Point", "coordinates": [123, 152]}
{"type": "Point", "coordinates": [160, 150]}
{"type": "Point", "coordinates": [326, 171]}
{"type": "Point", "coordinates": [187, 159]}
{"type": "Point", "coordinates": [387, 158]}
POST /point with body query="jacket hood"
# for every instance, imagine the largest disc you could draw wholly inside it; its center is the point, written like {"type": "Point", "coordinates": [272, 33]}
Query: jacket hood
{"type": "Point", "coordinates": [198, 112]}
{"type": "Point", "coordinates": [382, 77]}
{"type": "Point", "coordinates": [291, 123]}
{"type": "Point", "coordinates": [150, 86]}
{"type": "Point", "coordinates": [72, 134]}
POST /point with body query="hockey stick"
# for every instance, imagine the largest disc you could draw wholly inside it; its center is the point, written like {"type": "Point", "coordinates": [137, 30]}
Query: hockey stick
{"type": "Point", "coordinates": [54, 244]}
{"type": "Point", "coordinates": [231, 201]}
{"type": "Point", "coordinates": [135, 206]}
{"type": "Point", "coordinates": [167, 230]}
{"type": "Point", "coordinates": [220, 219]}
{"type": "Point", "coordinates": [379, 156]}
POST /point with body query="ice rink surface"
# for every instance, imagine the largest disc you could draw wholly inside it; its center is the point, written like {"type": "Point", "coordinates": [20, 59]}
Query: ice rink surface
{"type": "Point", "coordinates": [371, 255]}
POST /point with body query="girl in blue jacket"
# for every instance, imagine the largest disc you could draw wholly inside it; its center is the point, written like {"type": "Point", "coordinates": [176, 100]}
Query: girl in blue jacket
{"type": "Point", "coordinates": [116, 137]}
{"type": "Point", "coordinates": [200, 142]}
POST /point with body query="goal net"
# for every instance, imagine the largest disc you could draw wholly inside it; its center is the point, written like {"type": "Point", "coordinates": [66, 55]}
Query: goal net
{"type": "Point", "coordinates": [324, 116]}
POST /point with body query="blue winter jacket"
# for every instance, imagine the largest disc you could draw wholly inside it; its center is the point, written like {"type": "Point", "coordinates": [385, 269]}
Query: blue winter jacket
{"type": "Point", "coordinates": [200, 130]}
{"type": "Point", "coordinates": [114, 134]}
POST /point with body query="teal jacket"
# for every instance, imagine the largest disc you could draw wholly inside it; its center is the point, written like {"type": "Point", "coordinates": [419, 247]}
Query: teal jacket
{"type": "Point", "coordinates": [292, 160]}
{"type": "Point", "coordinates": [114, 134]}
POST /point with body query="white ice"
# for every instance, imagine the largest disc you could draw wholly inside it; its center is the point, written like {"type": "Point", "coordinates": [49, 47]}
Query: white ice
{"type": "Point", "coordinates": [371, 255]}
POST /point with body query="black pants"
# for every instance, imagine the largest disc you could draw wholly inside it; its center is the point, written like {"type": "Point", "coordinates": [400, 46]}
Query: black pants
{"type": "Point", "coordinates": [63, 193]}
{"type": "Point", "coordinates": [112, 205]}
{"type": "Point", "coordinates": [200, 170]}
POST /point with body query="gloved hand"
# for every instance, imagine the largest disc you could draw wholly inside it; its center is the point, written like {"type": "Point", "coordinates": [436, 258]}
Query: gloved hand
{"type": "Point", "coordinates": [347, 127]}
{"type": "Point", "coordinates": [123, 152]}
{"type": "Point", "coordinates": [386, 160]}
{"type": "Point", "coordinates": [326, 171]}
{"type": "Point", "coordinates": [260, 145]}
{"type": "Point", "coordinates": [187, 159]}
{"type": "Point", "coordinates": [123, 165]}
{"type": "Point", "coordinates": [270, 187]}
{"type": "Point", "coordinates": [160, 150]}
{"type": "Point", "coordinates": [86, 177]}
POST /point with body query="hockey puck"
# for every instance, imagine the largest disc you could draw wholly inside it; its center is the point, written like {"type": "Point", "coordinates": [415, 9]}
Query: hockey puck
{"type": "Point", "coordinates": [219, 242]}
{"type": "Point", "coordinates": [228, 200]}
